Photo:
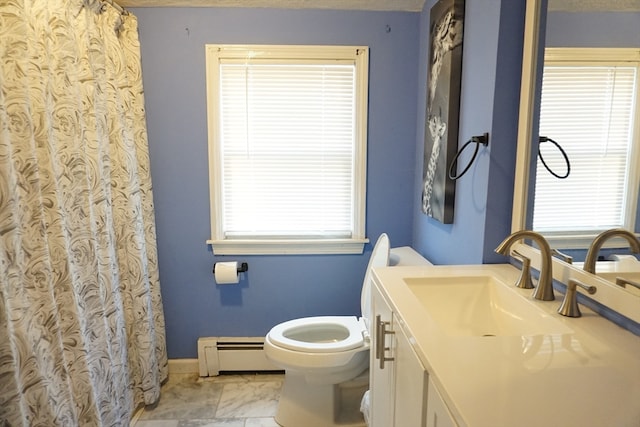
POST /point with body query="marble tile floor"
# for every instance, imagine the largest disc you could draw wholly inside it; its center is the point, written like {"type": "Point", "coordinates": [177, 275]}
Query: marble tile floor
{"type": "Point", "coordinates": [186, 400]}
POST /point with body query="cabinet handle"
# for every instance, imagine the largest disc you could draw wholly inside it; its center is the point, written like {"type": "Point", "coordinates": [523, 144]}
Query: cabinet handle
{"type": "Point", "coordinates": [378, 340]}
{"type": "Point", "coordinates": [381, 347]}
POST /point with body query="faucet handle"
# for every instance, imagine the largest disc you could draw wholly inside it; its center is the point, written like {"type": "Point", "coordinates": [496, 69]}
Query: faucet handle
{"type": "Point", "coordinates": [621, 281]}
{"type": "Point", "coordinates": [566, 258]}
{"type": "Point", "coordinates": [524, 281]}
{"type": "Point", "coordinates": [569, 306]}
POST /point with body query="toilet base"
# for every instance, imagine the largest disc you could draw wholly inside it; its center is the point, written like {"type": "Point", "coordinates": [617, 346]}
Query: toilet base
{"type": "Point", "coordinates": [321, 405]}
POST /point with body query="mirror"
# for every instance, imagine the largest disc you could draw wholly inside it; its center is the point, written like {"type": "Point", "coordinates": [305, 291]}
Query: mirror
{"type": "Point", "coordinates": [601, 31]}
{"type": "Point", "coordinates": [565, 11]}
{"type": "Point", "coordinates": [609, 294]}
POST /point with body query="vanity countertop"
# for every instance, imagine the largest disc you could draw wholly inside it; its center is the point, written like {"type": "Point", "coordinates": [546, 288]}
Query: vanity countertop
{"type": "Point", "coordinates": [587, 375]}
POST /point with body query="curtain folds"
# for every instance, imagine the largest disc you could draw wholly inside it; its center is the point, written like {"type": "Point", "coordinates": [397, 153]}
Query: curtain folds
{"type": "Point", "coordinates": [82, 336]}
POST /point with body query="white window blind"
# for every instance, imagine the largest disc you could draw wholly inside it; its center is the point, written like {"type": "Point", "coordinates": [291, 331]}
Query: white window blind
{"type": "Point", "coordinates": [288, 148]}
{"type": "Point", "coordinates": [589, 110]}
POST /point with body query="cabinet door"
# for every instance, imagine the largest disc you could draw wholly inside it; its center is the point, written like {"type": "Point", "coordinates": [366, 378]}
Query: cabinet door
{"type": "Point", "coordinates": [410, 383]}
{"type": "Point", "coordinates": [381, 375]}
{"type": "Point", "coordinates": [438, 414]}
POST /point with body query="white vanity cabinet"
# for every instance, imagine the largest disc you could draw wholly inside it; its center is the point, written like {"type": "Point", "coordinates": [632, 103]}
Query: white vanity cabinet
{"type": "Point", "coordinates": [381, 373]}
{"type": "Point", "coordinates": [410, 382]}
{"type": "Point", "coordinates": [438, 343]}
{"type": "Point", "coordinates": [398, 379]}
{"type": "Point", "coordinates": [438, 414]}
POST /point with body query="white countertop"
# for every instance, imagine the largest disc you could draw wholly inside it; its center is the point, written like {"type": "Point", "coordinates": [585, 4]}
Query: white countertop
{"type": "Point", "coordinates": [589, 376]}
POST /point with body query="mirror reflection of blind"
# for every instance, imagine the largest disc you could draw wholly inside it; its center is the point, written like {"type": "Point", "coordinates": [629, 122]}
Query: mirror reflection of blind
{"type": "Point", "coordinates": [287, 140]}
{"type": "Point", "coordinates": [588, 110]}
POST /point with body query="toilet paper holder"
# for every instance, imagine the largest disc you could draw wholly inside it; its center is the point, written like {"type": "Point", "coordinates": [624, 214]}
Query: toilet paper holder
{"type": "Point", "coordinates": [242, 267]}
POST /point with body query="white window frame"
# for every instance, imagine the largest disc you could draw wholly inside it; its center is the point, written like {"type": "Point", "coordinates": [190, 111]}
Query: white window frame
{"type": "Point", "coordinates": [224, 245]}
{"type": "Point", "coordinates": [623, 56]}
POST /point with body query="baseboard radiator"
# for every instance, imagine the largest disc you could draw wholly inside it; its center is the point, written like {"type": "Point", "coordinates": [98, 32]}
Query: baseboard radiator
{"type": "Point", "coordinates": [232, 354]}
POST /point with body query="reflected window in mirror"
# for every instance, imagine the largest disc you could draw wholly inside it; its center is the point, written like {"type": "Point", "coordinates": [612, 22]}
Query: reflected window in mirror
{"type": "Point", "coordinates": [589, 106]}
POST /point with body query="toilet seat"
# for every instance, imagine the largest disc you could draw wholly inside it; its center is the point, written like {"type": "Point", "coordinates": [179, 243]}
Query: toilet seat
{"type": "Point", "coordinates": [332, 334]}
{"type": "Point", "coordinates": [320, 334]}
{"type": "Point", "coordinates": [320, 353]}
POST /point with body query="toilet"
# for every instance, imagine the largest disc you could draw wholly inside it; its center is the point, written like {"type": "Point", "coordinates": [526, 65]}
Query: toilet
{"type": "Point", "coordinates": [326, 361]}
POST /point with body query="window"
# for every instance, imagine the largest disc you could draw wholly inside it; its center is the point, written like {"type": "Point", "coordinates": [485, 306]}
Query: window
{"type": "Point", "coordinates": [589, 106]}
{"type": "Point", "coordinates": [287, 148]}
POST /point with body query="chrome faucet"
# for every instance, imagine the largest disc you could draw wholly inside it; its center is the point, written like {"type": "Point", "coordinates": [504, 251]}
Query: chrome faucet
{"type": "Point", "coordinates": [544, 290]}
{"type": "Point", "coordinates": [621, 281]}
{"type": "Point", "coordinates": [569, 306]}
{"type": "Point", "coordinates": [592, 253]}
{"type": "Point", "coordinates": [524, 282]}
{"type": "Point", "coordinates": [566, 258]}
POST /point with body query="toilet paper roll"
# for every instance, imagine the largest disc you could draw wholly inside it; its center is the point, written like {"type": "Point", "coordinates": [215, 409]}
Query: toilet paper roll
{"type": "Point", "coordinates": [226, 273]}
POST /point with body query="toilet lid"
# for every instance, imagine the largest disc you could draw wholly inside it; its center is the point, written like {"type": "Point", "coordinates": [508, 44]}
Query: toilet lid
{"type": "Point", "coordinates": [379, 258]}
{"type": "Point", "coordinates": [320, 334]}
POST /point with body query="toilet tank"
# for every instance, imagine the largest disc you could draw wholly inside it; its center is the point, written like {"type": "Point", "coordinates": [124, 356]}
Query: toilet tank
{"type": "Point", "coordinates": [400, 256]}
{"type": "Point", "coordinates": [405, 256]}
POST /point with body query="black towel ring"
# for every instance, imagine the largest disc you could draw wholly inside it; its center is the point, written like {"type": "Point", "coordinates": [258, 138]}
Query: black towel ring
{"type": "Point", "coordinates": [478, 140]}
{"type": "Point", "coordinates": [564, 154]}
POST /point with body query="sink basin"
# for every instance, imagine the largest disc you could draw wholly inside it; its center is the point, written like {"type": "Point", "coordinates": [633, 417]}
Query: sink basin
{"type": "Point", "coordinates": [481, 306]}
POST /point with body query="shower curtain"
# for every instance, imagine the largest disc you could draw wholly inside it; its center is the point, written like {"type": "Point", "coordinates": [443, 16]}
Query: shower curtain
{"type": "Point", "coordinates": [82, 337]}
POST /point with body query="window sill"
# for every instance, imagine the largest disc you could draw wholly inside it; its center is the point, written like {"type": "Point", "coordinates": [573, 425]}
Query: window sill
{"type": "Point", "coordinates": [580, 241]}
{"type": "Point", "coordinates": [287, 247]}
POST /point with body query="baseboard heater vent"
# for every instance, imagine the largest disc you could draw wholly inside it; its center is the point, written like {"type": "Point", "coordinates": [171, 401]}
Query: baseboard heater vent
{"type": "Point", "coordinates": [222, 354]}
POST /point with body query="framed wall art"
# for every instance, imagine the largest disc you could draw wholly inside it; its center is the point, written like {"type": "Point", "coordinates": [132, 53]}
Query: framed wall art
{"type": "Point", "coordinates": [443, 107]}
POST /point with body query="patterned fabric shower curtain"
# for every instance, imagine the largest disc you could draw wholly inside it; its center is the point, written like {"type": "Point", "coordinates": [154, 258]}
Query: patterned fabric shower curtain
{"type": "Point", "coordinates": [82, 334]}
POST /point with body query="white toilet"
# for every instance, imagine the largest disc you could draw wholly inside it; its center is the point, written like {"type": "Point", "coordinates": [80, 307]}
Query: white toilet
{"type": "Point", "coordinates": [326, 361]}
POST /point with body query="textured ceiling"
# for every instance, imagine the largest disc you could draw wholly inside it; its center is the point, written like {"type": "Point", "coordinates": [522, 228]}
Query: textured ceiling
{"type": "Point", "coordinates": [400, 5]}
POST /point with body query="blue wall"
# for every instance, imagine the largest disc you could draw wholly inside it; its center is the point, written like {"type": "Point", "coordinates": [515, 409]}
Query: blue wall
{"type": "Point", "coordinates": [279, 288]}
{"type": "Point", "coordinates": [593, 29]}
{"type": "Point", "coordinates": [491, 63]}
{"type": "Point", "coordinates": [276, 288]}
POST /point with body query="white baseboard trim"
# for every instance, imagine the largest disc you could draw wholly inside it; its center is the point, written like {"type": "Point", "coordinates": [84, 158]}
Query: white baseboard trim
{"type": "Point", "coordinates": [183, 366]}
{"type": "Point", "coordinates": [232, 354]}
